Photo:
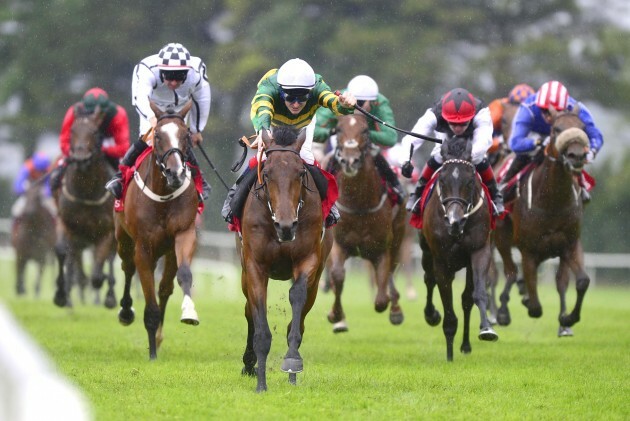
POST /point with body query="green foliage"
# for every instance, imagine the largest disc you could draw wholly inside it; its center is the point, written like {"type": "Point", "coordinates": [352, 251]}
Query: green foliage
{"type": "Point", "coordinates": [375, 371]}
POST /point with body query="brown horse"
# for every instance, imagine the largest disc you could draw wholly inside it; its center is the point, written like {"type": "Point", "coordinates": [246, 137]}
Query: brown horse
{"type": "Point", "coordinates": [33, 235]}
{"type": "Point", "coordinates": [546, 222]}
{"type": "Point", "coordinates": [282, 238]}
{"type": "Point", "coordinates": [370, 226]}
{"type": "Point", "coordinates": [85, 217]}
{"type": "Point", "coordinates": [159, 220]}
{"type": "Point", "coordinates": [456, 235]}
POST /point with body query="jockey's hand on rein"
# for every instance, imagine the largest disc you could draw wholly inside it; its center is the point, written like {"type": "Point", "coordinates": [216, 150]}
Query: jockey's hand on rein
{"type": "Point", "coordinates": [407, 169]}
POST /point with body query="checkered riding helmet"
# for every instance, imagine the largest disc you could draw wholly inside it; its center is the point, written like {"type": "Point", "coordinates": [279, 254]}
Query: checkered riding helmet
{"type": "Point", "coordinates": [174, 56]}
{"type": "Point", "coordinates": [554, 94]}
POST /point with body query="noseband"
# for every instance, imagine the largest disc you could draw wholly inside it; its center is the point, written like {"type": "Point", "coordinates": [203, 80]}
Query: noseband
{"type": "Point", "coordinates": [466, 204]}
{"type": "Point", "coordinates": [161, 160]}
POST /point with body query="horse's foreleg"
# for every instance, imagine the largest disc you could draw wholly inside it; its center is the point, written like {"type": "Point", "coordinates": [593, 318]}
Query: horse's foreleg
{"type": "Point", "coordinates": [185, 244]}
{"type": "Point", "coordinates": [467, 305]}
{"type": "Point", "coordinates": [562, 283]}
{"type": "Point", "coordinates": [491, 287]}
{"type": "Point", "coordinates": [449, 325]}
{"type": "Point", "coordinates": [582, 281]}
{"type": "Point", "coordinates": [530, 274]}
{"type": "Point", "coordinates": [431, 315]}
{"type": "Point", "coordinates": [61, 298]}
{"type": "Point", "coordinates": [41, 264]}
{"type": "Point", "coordinates": [511, 272]}
{"type": "Point", "coordinates": [382, 267]}
{"type": "Point", "coordinates": [481, 261]}
{"type": "Point", "coordinates": [256, 284]}
{"type": "Point", "coordinates": [292, 362]}
{"type": "Point", "coordinates": [337, 273]}
{"type": "Point", "coordinates": [126, 314]}
{"type": "Point", "coordinates": [20, 268]}
{"type": "Point", "coordinates": [249, 356]}
{"type": "Point", "coordinates": [145, 263]}
{"type": "Point", "coordinates": [102, 251]}
{"type": "Point", "coordinates": [110, 297]}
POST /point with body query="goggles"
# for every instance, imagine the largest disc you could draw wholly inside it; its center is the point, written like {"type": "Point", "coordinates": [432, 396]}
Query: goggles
{"type": "Point", "coordinates": [292, 98]}
{"type": "Point", "coordinates": [177, 75]}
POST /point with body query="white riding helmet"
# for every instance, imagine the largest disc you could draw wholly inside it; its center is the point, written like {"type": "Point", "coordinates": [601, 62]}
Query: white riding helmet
{"type": "Point", "coordinates": [363, 88]}
{"type": "Point", "coordinates": [296, 74]}
{"type": "Point", "coordinates": [174, 56]}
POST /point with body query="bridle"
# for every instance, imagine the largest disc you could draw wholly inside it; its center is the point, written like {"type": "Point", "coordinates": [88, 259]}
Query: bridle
{"type": "Point", "coordinates": [468, 206]}
{"type": "Point", "coordinates": [161, 159]}
{"type": "Point", "coordinates": [265, 188]}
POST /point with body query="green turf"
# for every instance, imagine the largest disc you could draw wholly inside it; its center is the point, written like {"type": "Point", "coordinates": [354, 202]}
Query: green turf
{"type": "Point", "coordinates": [375, 371]}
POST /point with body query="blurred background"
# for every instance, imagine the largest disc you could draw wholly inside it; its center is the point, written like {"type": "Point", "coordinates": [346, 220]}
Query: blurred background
{"type": "Point", "coordinates": [52, 51]}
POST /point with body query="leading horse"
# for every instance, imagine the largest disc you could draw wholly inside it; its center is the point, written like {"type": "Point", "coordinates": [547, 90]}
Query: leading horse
{"type": "Point", "coordinates": [84, 213]}
{"type": "Point", "coordinates": [546, 222]}
{"type": "Point", "coordinates": [160, 207]}
{"type": "Point", "coordinates": [455, 235]}
{"type": "Point", "coordinates": [283, 238]}
{"type": "Point", "coordinates": [371, 227]}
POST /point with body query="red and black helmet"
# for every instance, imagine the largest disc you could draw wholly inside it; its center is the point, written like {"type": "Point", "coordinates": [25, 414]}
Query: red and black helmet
{"type": "Point", "coordinates": [458, 106]}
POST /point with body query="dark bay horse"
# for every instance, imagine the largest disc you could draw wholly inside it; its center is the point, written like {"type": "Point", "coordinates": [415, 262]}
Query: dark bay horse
{"type": "Point", "coordinates": [33, 236]}
{"type": "Point", "coordinates": [370, 226]}
{"type": "Point", "coordinates": [159, 220]}
{"type": "Point", "coordinates": [85, 217]}
{"type": "Point", "coordinates": [455, 235]}
{"type": "Point", "coordinates": [282, 238]}
{"type": "Point", "coordinates": [546, 222]}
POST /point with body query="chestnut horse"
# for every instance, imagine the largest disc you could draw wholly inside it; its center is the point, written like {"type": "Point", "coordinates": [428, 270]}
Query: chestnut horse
{"type": "Point", "coordinates": [455, 235]}
{"type": "Point", "coordinates": [159, 220]}
{"type": "Point", "coordinates": [33, 236]}
{"type": "Point", "coordinates": [370, 226]}
{"type": "Point", "coordinates": [282, 238]}
{"type": "Point", "coordinates": [85, 217]}
{"type": "Point", "coordinates": [546, 222]}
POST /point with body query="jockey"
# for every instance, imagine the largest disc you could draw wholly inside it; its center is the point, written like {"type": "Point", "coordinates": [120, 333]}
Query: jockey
{"type": "Point", "coordinates": [457, 113]}
{"type": "Point", "coordinates": [365, 90]}
{"type": "Point", "coordinates": [532, 124]}
{"type": "Point", "coordinates": [515, 97]}
{"type": "Point", "coordinates": [170, 78]}
{"type": "Point", "coordinates": [115, 128]}
{"type": "Point", "coordinates": [32, 170]}
{"type": "Point", "coordinates": [290, 96]}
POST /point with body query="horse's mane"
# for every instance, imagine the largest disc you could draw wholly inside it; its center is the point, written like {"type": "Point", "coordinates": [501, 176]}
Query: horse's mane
{"type": "Point", "coordinates": [457, 148]}
{"type": "Point", "coordinates": [285, 135]}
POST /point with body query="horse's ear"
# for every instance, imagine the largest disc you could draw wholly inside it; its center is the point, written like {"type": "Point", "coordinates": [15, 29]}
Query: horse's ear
{"type": "Point", "coordinates": [156, 110]}
{"type": "Point", "coordinates": [300, 139]}
{"type": "Point", "coordinates": [468, 153]}
{"type": "Point", "coordinates": [444, 148]}
{"type": "Point", "coordinates": [186, 108]}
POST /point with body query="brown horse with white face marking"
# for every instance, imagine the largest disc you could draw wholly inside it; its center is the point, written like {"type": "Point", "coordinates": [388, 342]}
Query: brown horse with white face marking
{"type": "Point", "coordinates": [546, 222]}
{"type": "Point", "coordinates": [455, 235]}
{"type": "Point", "coordinates": [85, 213]}
{"type": "Point", "coordinates": [282, 238]}
{"type": "Point", "coordinates": [370, 226]}
{"type": "Point", "coordinates": [159, 220]}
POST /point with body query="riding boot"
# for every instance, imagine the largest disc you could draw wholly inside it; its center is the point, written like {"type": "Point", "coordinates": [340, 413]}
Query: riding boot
{"type": "Point", "coordinates": [413, 204]}
{"type": "Point", "coordinates": [227, 211]}
{"type": "Point", "coordinates": [487, 176]}
{"type": "Point", "coordinates": [56, 176]}
{"type": "Point", "coordinates": [584, 194]}
{"type": "Point", "coordinates": [333, 216]}
{"type": "Point", "coordinates": [392, 179]}
{"type": "Point", "coordinates": [205, 187]}
{"type": "Point", "coordinates": [114, 186]}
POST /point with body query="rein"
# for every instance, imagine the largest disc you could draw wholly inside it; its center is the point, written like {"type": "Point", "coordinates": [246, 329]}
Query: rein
{"type": "Point", "coordinates": [66, 193]}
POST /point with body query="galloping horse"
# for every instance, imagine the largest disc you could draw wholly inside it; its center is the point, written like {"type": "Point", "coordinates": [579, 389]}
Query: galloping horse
{"type": "Point", "coordinates": [159, 220]}
{"type": "Point", "coordinates": [370, 227]}
{"type": "Point", "coordinates": [282, 238]}
{"type": "Point", "coordinates": [455, 235]}
{"type": "Point", "coordinates": [33, 236]}
{"type": "Point", "coordinates": [85, 218]}
{"type": "Point", "coordinates": [546, 222]}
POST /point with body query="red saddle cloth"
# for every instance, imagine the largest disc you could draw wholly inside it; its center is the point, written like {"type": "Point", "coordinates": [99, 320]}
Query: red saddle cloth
{"type": "Point", "coordinates": [416, 218]}
{"type": "Point", "coordinates": [327, 203]}
{"type": "Point", "coordinates": [127, 177]}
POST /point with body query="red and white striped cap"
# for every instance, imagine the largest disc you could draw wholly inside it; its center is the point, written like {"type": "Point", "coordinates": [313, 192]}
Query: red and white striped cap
{"type": "Point", "coordinates": [552, 93]}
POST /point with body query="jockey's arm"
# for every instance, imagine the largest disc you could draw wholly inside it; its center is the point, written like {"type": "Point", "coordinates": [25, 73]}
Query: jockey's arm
{"type": "Point", "coordinates": [201, 106]}
{"type": "Point", "coordinates": [383, 135]}
{"type": "Point", "coordinates": [326, 121]}
{"type": "Point", "coordinates": [64, 135]}
{"type": "Point", "coordinates": [119, 130]}
{"type": "Point", "coordinates": [482, 134]}
{"type": "Point", "coordinates": [425, 125]}
{"type": "Point", "coordinates": [521, 127]}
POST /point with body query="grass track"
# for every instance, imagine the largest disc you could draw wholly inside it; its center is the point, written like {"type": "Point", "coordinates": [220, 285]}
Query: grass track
{"type": "Point", "coordinates": [375, 371]}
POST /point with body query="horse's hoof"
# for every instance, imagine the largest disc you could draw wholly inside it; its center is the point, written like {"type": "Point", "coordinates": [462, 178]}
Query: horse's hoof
{"type": "Point", "coordinates": [190, 321]}
{"type": "Point", "coordinates": [503, 318]}
{"type": "Point", "coordinates": [60, 300]}
{"type": "Point", "coordinates": [465, 349]}
{"type": "Point", "coordinates": [488, 334]}
{"type": "Point", "coordinates": [292, 379]}
{"type": "Point", "coordinates": [568, 320]}
{"type": "Point", "coordinates": [339, 327]}
{"type": "Point", "coordinates": [251, 371]}
{"type": "Point", "coordinates": [433, 319]}
{"type": "Point", "coordinates": [110, 302]}
{"type": "Point", "coordinates": [535, 312]}
{"type": "Point", "coordinates": [97, 283]}
{"type": "Point", "coordinates": [126, 316]}
{"type": "Point", "coordinates": [565, 332]}
{"type": "Point", "coordinates": [331, 317]}
{"type": "Point", "coordinates": [292, 365]}
{"type": "Point", "coordinates": [396, 318]}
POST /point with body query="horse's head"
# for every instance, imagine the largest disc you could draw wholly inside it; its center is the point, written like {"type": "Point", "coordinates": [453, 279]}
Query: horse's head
{"type": "Point", "coordinates": [283, 177]}
{"type": "Point", "coordinates": [352, 143]}
{"type": "Point", "coordinates": [33, 204]}
{"type": "Point", "coordinates": [456, 184]}
{"type": "Point", "coordinates": [569, 143]}
{"type": "Point", "coordinates": [86, 137]}
{"type": "Point", "coordinates": [171, 140]}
